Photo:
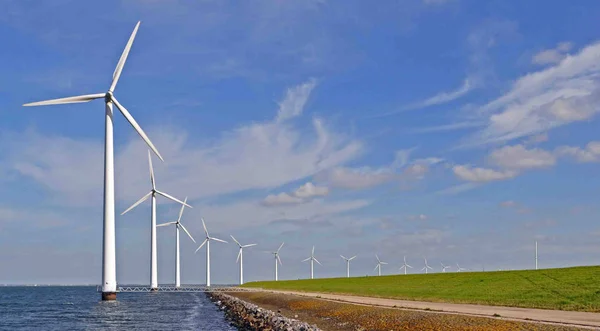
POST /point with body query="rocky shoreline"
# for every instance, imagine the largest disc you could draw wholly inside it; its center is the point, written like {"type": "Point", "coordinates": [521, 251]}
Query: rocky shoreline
{"type": "Point", "coordinates": [247, 316]}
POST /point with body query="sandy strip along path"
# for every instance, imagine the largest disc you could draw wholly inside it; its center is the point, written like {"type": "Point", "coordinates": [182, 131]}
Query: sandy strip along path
{"type": "Point", "coordinates": [573, 318]}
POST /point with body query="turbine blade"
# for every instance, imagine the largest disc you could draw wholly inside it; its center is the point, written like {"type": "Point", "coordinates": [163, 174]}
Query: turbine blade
{"type": "Point", "coordinates": [204, 225]}
{"type": "Point", "coordinates": [217, 239]}
{"type": "Point", "coordinates": [279, 259]}
{"type": "Point", "coordinates": [352, 258]}
{"type": "Point", "coordinates": [317, 261]}
{"type": "Point", "coordinates": [378, 260]}
{"type": "Point", "coordinates": [280, 247]}
{"type": "Point", "coordinates": [165, 224]}
{"type": "Point", "coordinates": [136, 126]}
{"type": "Point", "coordinates": [121, 63]}
{"type": "Point", "coordinates": [237, 242]}
{"type": "Point", "coordinates": [306, 259]}
{"type": "Point", "coordinates": [238, 257]}
{"type": "Point", "coordinates": [172, 198]}
{"type": "Point", "coordinates": [376, 267]}
{"type": "Point", "coordinates": [313, 250]}
{"type": "Point", "coordinates": [197, 249]}
{"type": "Point", "coordinates": [151, 171]}
{"type": "Point", "coordinates": [249, 245]}
{"type": "Point", "coordinates": [409, 266]}
{"type": "Point", "coordinates": [77, 99]}
{"type": "Point", "coordinates": [383, 262]}
{"type": "Point", "coordinates": [343, 257]}
{"type": "Point", "coordinates": [144, 198]}
{"type": "Point", "coordinates": [181, 210]}
{"type": "Point", "coordinates": [186, 231]}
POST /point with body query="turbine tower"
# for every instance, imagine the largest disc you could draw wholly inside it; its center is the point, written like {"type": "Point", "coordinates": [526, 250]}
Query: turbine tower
{"type": "Point", "coordinates": [240, 258]}
{"type": "Point", "coordinates": [177, 226]}
{"type": "Point", "coordinates": [312, 259]}
{"type": "Point", "coordinates": [405, 265]}
{"type": "Point", "coordinates": [277, 259]}
{"type": "Point", "coordinates": [536, 256]}
{"type": "Point", "coordinates": [109, 266]}
{"type": "Point", "coordinates": [426, 267]}
{"type": "Point", "coordinates": [378, 266]}
{"type": "Point", "coordinates": [348, 264]}
{"type": "Point", "coordinates": [444, 267]}
{"type": "Point", "coordinates": [153, 254]}
{"type": "Point", "coordinates": [207, 242]}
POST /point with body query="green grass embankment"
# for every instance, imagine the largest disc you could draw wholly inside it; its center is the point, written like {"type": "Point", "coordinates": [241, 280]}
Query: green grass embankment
{"type": "Point", "coordinates": [576, 289]}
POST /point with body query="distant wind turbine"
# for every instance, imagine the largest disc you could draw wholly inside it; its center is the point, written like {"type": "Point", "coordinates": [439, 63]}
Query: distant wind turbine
{"type": "Point", "coordinates": [177, 226]}
{"type": "Point", "coordinates": [312, 259]}
{"type": "Point", "coordinates": [536, 256]}
{"type": "Point", "coordinates": [459, 269]}
{"type": "Point", "coordinates": [240, 258]}
{"type": "Point", "coordinates": [426, 267]}
{"type": "Point", "coordinates": [207, 242]}
{"type": "Point", "coordinates": [348, 264]}
{"type": "Point", "coordinates": [405, 265]}
{"type": "Point", "coordinates": [444, 267]}
{"type": "Point", "coordinates": [153, 192]}
{"type": "Point", "coordinates": [109, 265]}
{"type": "Point", "coordinates": [277, 259]}
{"type": "Point", "coordinates": [379, 264]}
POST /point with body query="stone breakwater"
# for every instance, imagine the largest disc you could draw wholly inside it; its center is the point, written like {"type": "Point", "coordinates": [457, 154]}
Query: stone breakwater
{"type": "Point", "coordinates": [247, 316]}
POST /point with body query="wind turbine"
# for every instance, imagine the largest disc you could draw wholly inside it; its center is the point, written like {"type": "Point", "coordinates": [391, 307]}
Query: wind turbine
{"type": "Point", "coordinates": [536, 256]}
{"type": "Point", "coordinates": [109, 266]}
{"type": "Point", "coordinates": [312, 258]}
{"type": "Point", "coordinates": [426, 267]}
{"type": "Point", "coordinates": [378, 266]}
{"type": "Point", "coordinates": [348, 264]}
{"type": "Point", "coordinates": [240, 258]}
{"type": "Point", "coordinates": [153, 192]}
{"type": "Point", "coordinates": [444, 267]}
{"type": "Point", "coordinates": [277, 259]}
{"type": "Point", "coordinates": [207, 242]}
{"type": "Point", "coordinates": [177, 226]}
{"type": "Point", "coordinates": [405, 265]}
{"type": "Point", "coordinates": [459, 269]}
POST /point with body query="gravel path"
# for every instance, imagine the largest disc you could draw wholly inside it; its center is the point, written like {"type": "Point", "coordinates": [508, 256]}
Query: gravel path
{"type": "Point", "coordinates": [338, 316]}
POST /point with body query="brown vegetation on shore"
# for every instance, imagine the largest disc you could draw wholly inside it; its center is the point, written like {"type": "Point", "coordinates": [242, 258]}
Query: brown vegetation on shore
{"type": "Point", "coordinates": [336, 316]}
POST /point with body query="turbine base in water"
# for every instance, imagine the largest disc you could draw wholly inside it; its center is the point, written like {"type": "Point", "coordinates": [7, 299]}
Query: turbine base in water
{"type": "Point", "coordinates": [109, 296]}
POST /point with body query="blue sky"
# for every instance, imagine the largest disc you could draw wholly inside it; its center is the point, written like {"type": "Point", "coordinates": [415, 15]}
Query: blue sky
{"type": "Point", "coordinates": [458, 130]}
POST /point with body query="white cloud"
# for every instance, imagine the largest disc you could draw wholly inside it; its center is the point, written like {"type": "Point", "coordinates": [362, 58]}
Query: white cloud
{"type": "Point", "coordinates": [591, 152]}
{"type": "Point", "coordinates": [366, 177]}
{"type": "Point", "coordinates": [294, 100]}
{"type": "Point", "coordinates": [255, 156]}
{"type": "Point", "coordinates": [281, 199]}
{"type": "Point", "coordinates": [420, 217]}
{"type": "Point", "coordinates": [539, 101]}
{"type": "Point", "coordinates": [508, 204]}
{"type": "Point", "coordinates": [552, 56]}
{"type": "Point", "coordinates": [517, 157]}
{"type": "Point", "coordinates": [309, 190]}
{"type": "Point", "coordinates": [538, 138]}
{"type": "Point", "coordinates": [444, 97]}
{"type": "Point", "coordinates": [301, 195]}
{"type": "Point", "coordinates": [482, 175]}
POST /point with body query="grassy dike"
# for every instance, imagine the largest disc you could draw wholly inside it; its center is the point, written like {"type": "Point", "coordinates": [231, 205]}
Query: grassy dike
{"type": "Point", "coordinates": [576, 289]}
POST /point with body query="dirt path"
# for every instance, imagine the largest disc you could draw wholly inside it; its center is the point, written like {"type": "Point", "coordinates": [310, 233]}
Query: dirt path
{"type": "Point", "coordinates": [572, 318]}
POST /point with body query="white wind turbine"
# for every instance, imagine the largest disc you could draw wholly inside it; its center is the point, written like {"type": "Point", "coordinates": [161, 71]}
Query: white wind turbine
{"type": "Point", "coordinates": [348, 264]}
{"type": "Point", "coordinates": [444, 267]}
{"type": "Point", "coordinates": [177, 226]}
{"type": "Point", "coordinates": [378, 266]}
{"type": "Point", "coordinates": [277, 259]}
{"type": "Point", "coordinates": [405, 265]}
{"type": "Point", "coordinates": [312, 259]}
{"type": "Point", "coordinates": [207, 242]}
{"type": "Point", "coordinates": [459, 269]}
{"type": "Point", "coordinates": [240, 258]}
{"type": "Point", "coordinates": [426, 267]}
{"type": "Point", "coordinates": [153, 192]}
{"type": "Point", "coordinates": [109, 267]}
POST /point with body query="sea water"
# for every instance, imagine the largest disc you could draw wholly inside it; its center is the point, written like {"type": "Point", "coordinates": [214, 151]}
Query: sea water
{"type": "Point", "coordinates": [80, 308]}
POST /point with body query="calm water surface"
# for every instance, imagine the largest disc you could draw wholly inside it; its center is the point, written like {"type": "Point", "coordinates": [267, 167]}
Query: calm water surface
{"type": "Point", "coordinates": [80, 308]}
